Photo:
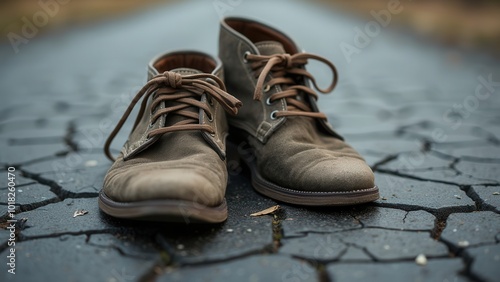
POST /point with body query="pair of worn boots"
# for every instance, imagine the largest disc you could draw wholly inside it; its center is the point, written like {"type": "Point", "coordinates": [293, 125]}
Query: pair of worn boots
{"type": "Point", "coordinates": [173, 165]}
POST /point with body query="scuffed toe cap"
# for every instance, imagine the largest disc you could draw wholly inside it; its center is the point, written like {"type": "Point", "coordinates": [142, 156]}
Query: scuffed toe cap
{"type": "Point", "coordinates": [342, 174]}
{"type": "Point", "coordinates": [201, 187]}
{"type": "Point", "coordinates": [339, 175]}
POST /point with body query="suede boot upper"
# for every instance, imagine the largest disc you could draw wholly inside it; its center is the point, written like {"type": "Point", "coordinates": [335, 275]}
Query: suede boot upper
{"type": "Point", "coordinates": [176, 150]}
{"type": "Point", "coordinates": [295, 147]}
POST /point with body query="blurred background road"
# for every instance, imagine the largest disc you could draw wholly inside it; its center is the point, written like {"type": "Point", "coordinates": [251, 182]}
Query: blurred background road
{"type": "Point", "coordinates": [464, 23]}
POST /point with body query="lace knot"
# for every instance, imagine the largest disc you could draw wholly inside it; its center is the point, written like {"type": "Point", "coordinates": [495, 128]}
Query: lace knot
{"type": "Point", "coordinates": [173, 79]}
{"type": "Point", "coordinates": [286, 60]}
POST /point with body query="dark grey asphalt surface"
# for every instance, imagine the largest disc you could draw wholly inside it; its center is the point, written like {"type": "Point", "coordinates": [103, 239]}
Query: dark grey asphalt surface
{"type": "Point", "coordinates": [409, 106]}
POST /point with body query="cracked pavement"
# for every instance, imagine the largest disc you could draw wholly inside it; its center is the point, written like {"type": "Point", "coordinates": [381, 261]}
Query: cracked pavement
{"type": "Point", "coordinates": [438, 171]}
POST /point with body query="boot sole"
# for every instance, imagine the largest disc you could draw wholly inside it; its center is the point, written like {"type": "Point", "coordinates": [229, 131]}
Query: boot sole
{"type": "Point", "coordinates": [306, 198]}
{"type": "Point", "coordinates": [164, 210]}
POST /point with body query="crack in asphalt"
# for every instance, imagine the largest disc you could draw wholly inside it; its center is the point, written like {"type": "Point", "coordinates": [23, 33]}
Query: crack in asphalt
{"type": "Point", "coordinates": [55, 188]}
{"type": "Point", "coordinates": [38, 160]}
{"type": "Point", "coordinates": [277, 228]}
{"type": "Point", "coordinates": [30, 207]}
{"type": "Point", "coordinates": [467, 260]}
{"type": "Point", "coordinates": [409, 176]}
{"type": "Point", "coordinates": [155, 271]}
{"type": "Point", "coordinates": [384, 161]}
{"type": "Point", "coordinates": [362, 248]}
{"type": "Point", "coordinates": [69, 136]}
{"type": "Point", "coordinates": [28, 141]}
{"type": "Point", "coordinates": [24, 238]}
{"type": "Point", "coordinates": [116, 248]}
{"type": "Point", "coordinates": [264, 250]}
{"type": "Point", "coordinates": [318, 266]}
{"type": "Point", "coordinates": [451, 166]}
{"type": "Point", "coordinates": [439, 226]}
{"type": "Point", "coordinates": [490, 137]}
{"type": "Point", "coordinates": [434, 211]}
{"type": "Point", "coordinates": [461, 144]}
{"type": "Point", "coordinates": [481, 205]}
{"type": "Point", "coordinates": [472, 159]}
{"type": "Point", "coordinates": [304, 233]}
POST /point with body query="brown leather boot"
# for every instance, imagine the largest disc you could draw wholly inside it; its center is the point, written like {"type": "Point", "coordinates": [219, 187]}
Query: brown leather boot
{"type": "Point", "coordinates": [172, 167]}
{"type": "Point", "coordinates": [296, 155]}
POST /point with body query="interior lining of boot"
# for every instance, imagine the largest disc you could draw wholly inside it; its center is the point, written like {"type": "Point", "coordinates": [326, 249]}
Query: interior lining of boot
{"type": "Point", "coordinates": [256, 33]}
{"type": "Point", "coordinates": [185, 60]}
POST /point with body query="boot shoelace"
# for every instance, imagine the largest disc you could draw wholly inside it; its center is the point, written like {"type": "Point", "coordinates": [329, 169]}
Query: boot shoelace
{"type": "Point", "coordinates": [185, 90]}
{"type": "Point", "coordinates": [286, 69]}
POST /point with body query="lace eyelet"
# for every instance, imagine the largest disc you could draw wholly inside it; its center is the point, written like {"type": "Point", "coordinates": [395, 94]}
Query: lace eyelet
{"type": "Point", "coordinates": [267, 88]}
{"type": "Point", "coordinates": [268, 101]}
{"type": "Point", "coordinates": [245, 56]}
{"type": "Point", "coordinates": [210, 118]}
{"type": "Point", "coordinates": [150, 125]}
{"type": "Point", "coordinates": [210, 101]}
{"type": "Point", "coordinates": [273, 115]}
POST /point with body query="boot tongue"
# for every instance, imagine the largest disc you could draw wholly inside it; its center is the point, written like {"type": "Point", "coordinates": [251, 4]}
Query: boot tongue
{"type": "Point", "coordinates": [268, 48]}
{"type": "Point", "coordinates": [186, 71]}
{"type": "Point", "coordinates": [172, 119]}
